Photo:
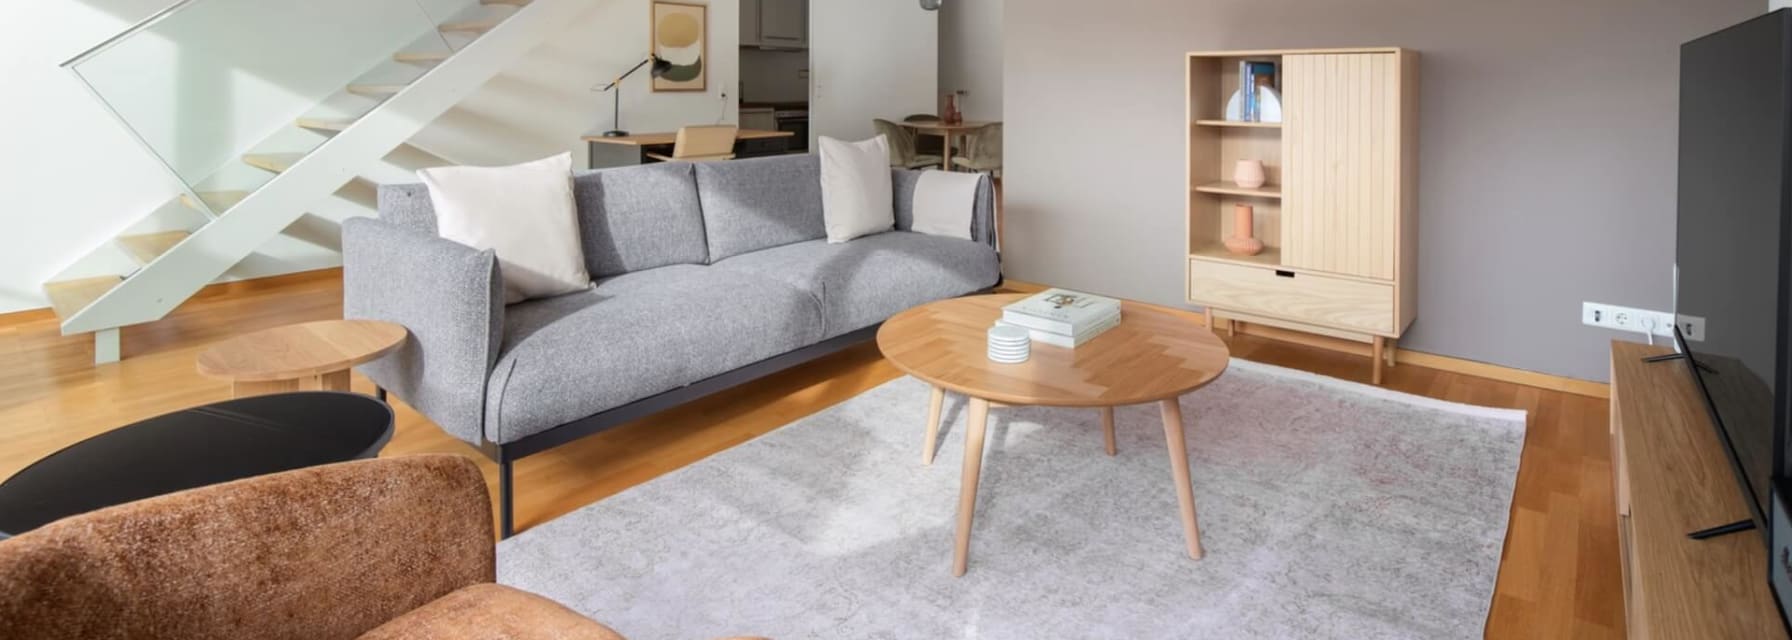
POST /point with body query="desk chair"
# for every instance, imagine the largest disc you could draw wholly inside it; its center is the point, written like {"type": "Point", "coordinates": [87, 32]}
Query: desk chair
{"type": "Point", "coordinates": [702, 144]}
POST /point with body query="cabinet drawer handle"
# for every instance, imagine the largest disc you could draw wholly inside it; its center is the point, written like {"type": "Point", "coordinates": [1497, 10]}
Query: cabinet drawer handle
{"type": "Point", "coordinates": [1284, 274]}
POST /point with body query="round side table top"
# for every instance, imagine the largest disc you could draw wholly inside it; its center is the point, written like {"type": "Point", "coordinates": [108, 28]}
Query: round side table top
{"type": "Point", "coordinates": [293, 351]}
{"type": "Point", "coordinates": [1154, 354]}
{"type": "Point", "coordinates": [195, 447]}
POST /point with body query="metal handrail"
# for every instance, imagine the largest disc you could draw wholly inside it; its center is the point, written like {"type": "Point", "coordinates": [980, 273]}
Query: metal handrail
{"type": "Point", "coordinates": [129, 31]}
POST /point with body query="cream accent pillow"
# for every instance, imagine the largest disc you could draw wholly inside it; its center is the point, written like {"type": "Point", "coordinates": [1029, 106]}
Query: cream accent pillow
{"type": "Point", "coordinates": [945, 202]}
{"type": "Point", "coordinates": [524, 213]}
{"type": "Point", "coordinates": [855, 188]}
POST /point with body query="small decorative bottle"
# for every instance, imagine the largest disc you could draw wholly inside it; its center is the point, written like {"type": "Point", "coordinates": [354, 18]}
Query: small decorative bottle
{"type": "Point", "coordinates": [1243, 241]}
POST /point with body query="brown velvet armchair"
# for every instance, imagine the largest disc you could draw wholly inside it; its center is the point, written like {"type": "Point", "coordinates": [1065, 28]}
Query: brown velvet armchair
{"type": "Point", "coordinates": [377, 549]}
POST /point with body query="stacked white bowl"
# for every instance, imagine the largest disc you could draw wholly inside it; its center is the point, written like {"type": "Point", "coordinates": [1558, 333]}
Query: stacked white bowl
{"type": "Point", "coordinates": [1009, 345]}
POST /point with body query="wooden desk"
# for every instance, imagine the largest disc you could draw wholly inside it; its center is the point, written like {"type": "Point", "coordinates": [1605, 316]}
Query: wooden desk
{"type": "Point", "coordinates": [949, 132]}
{"type": "Point", "coordinates": [633, 149]}
{"type": "Point", "coordinates": [1672, 477]}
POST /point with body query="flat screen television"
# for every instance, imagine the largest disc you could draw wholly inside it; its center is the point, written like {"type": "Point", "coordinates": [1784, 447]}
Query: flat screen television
{"type": "Point", "coordinates": [1733, 249]}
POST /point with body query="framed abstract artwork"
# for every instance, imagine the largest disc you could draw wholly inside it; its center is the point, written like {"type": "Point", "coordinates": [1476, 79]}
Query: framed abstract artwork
{"type": "Point", "coordinates": [681, 37]}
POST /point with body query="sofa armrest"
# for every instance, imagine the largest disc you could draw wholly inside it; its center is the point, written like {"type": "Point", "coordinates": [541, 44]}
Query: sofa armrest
{"type": "Point", "coordinates": [983, 209]}
{"type": "Point", "coordinates": [451, 299]}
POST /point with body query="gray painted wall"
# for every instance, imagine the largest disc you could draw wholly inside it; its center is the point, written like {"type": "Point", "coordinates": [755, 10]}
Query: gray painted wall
{"type": "Point", "coordinates": [1547, 154]}
{"type": "Point", "coordinates": [971, 55]}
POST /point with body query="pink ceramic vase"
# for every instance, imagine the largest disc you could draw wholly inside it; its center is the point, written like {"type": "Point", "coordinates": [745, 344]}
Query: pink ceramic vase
{"type": "Point", "coordinates": [1248, 174]}
{"type": "Point", "coordinates": [1243, 241]}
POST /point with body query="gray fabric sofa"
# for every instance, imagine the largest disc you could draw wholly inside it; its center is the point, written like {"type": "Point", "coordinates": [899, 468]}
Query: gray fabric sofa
{"type": "Point", "coordinates": [706, 276]}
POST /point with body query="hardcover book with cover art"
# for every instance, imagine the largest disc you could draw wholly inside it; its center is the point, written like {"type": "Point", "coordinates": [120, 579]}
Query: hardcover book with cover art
{"type": "Point", "coordinates": [1061, 311]}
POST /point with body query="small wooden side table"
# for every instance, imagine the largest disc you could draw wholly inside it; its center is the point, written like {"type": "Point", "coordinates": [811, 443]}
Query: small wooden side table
{"type": "Point", "coordinates": [300, 357]}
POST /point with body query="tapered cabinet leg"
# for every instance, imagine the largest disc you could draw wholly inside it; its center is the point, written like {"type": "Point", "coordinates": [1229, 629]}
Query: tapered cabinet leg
{"type": "Point", "coordinates": [1107, 429]}
{"type": "Point", "coordinates": [1379, 345]}
{"type": "Point", "coordinates": [1185, 491]}
{"type": "Point", "coordinates": [934, 402]}
{"type": "Point", "coordinates": [1393, 348]}
{"type": "Point", "coordinates": [967, 492]}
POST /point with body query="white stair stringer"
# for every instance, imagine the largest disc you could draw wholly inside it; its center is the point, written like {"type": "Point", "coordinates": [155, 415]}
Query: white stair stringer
{"type": "Point", "coordinates": [160, 286]}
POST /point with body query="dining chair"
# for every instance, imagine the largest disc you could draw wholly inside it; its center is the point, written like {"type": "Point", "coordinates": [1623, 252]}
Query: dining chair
{"type": "Point", "coordinates": [702, 144]}
{"type": "Point", "coordinates": [982, 150]}
{"type": "Point", "coordinates": [902, 146]}
{"type": "Point", "coordinates": [927, 145]}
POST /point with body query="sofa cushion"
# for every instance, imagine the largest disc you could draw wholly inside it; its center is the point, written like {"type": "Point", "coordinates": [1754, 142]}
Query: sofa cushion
{"type": "Point", "coordinates": [636, 218]}
{"type": "Point", "coordinates": [636, 335]}
{"type": "Point", "coordinates": [867, 280]}
{"type": "Point", "coordinates": [760, 203]}
{"type": "Point", "coordinates": [492, 611]}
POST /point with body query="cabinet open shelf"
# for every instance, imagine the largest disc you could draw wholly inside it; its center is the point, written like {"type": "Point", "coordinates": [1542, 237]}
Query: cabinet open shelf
{"type": "Point", "coordinates": [1229, 188]}
{"type": "Point", "coordinates": [1270, 257]}
{"type": "Point", "coordinates": [1233, 123]}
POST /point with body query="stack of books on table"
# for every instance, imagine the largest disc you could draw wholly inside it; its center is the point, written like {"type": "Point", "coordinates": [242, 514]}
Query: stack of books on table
{"type": "Point", "coordinates": [1062, 317]}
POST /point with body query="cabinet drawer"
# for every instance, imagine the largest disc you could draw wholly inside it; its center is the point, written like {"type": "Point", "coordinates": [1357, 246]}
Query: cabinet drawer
{"type": "Point", "coordinates": [1301, 297]}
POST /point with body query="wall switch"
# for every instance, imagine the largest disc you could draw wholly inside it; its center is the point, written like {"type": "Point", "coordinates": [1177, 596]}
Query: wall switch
{"type": "Point", "coordinates": [1661, 323]}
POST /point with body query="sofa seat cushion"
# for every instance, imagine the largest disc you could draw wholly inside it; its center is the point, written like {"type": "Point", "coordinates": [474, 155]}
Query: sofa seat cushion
{"type": "Point", "coordinates": [491, 611]}
{"type": "Point", "coordinates": [634, 336]}
{"type": "Point", "coordinates": [867, 280]}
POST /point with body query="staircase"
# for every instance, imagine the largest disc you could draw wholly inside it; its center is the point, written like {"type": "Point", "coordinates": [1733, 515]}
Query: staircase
{"type": "Point", "coordinates": [272, 193]}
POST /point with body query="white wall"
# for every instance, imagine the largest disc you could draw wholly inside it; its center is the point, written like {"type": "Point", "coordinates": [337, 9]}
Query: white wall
{"type": "Point", "coordinates": [971, 56]}
{"type": "Point", "coordinates": [72, 179]}
{"type": "Point", "coordinates": [543, 103]}
{"type": "Point", "coordinates": [870, 59]}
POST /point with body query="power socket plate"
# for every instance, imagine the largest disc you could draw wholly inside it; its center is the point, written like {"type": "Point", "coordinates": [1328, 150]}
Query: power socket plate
{"type": "Point", "coordinates": [1661, 323]}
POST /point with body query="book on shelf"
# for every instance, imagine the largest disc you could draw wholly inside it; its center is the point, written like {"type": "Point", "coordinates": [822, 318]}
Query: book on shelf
{"type": "Point", "coordinates": [1062, 311]}
{"type": "Point", "coordinates": [1068, 341]}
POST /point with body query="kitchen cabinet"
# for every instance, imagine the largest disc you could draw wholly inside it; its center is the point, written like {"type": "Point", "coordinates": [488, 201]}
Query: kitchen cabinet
{"type": "Point", "coordinates": [783, 23]}
{"type": "Point", "coordinates": [749, 23]}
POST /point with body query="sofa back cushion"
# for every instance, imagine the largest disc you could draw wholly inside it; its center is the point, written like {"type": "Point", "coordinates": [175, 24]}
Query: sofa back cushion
{"type": "Point", "coordinates": [760, 203]}
{"type": "Point", "coordinates": [630, 218]}
{"type": "Point", "coordinates": [637, 218]}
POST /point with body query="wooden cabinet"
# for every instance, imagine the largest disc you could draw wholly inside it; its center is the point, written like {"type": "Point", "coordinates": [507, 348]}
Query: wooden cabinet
{"type": "Point", "coordinates": [783, 23]}
{"type": "Point", "coordinates": [1670, 476]}
{"type": "Point", "coordinates": [1337, 215]}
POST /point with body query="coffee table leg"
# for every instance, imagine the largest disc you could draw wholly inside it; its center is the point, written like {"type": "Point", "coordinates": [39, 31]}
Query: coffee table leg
{"type": "Point", "coordinates": [933, 424]}
{"type": "Point", "coordinates": [1107, 428]}
{"type": "Point", "coordinates": [244, 389]}
{"type": "Point", "coordinates": [967, 491]}
{"type": "Point", "coordinates": [333, 381]}
{"type": "Point", "coordinates": [1185, 492]}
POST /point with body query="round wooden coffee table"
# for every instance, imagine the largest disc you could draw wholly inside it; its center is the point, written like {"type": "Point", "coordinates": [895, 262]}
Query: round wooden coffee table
{"type": "Point", "coordinates": [311, 356]}
{"type": "Point", "coordinates": [1155, 355]}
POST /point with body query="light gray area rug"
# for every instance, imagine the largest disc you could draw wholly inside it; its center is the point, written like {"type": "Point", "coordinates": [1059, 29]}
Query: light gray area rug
{"type": "Point", "coordinates": [1327, 509]}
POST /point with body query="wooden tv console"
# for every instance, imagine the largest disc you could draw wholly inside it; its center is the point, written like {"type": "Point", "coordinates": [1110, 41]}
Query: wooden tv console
{"type": "Point", "coordinates": [1672, 477]}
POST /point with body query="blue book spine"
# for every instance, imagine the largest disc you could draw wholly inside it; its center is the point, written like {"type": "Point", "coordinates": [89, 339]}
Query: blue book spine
{"type": "Point", "coordinates": [1247, 88]}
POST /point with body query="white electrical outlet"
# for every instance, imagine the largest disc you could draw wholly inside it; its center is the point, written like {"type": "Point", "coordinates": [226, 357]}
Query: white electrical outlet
{"type": "Point", "coordinates": [1693, 327]}
{"type": "Point", "coordinates": [1612, 316]}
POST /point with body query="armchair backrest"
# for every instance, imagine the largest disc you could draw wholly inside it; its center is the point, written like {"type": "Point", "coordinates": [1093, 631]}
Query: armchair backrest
{"type": "Point", "coordinates": [324, 553]}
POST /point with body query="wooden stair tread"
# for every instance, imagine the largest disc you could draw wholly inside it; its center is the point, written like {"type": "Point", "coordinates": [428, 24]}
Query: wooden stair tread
{"type": "Point", "coordinates": [146, 247]}
{"type": "Point", "coordinates": [68, 297]}
{"type": "Point", "coordinates": [375, 89]}
{"type": "Point", "coordinates": [275, 162]}
{"type": "Point", "coordinates": [422, 56]}
{"type": "Point", "coordinates": [477, 25]}
{"type": "Point", "coordinates": [219, 201]}
{"type": "Point", "coordinates": [325, 124]}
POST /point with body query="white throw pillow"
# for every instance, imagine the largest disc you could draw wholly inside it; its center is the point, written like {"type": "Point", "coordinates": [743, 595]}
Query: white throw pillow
{"type": "Point", "coordinates": [524, 213]}
{"type": "Point", "coordinates": [944, 203]}
{"type": "Point", "coordinates": [855, 188]}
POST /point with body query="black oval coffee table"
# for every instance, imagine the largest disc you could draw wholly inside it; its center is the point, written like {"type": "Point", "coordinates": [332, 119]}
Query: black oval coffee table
{"type": "Point", "coordinates": [195, 447]}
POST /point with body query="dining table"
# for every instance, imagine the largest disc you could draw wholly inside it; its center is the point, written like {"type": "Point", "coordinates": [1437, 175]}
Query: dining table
{"type": "Point", "coordinates": [950, 132]}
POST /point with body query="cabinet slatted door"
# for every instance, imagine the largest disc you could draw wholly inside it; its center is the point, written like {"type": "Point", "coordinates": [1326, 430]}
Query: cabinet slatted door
{"type": "Point", "coordinates": [1341, 156]}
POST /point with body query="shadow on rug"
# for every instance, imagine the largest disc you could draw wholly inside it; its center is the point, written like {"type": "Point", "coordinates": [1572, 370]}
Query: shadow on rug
{"type": "Point", "coordinates": [1327, 509]}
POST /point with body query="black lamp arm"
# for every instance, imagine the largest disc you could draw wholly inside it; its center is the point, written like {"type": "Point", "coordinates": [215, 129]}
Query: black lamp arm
{"type": "Point", "coordinates": [631, 71]}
